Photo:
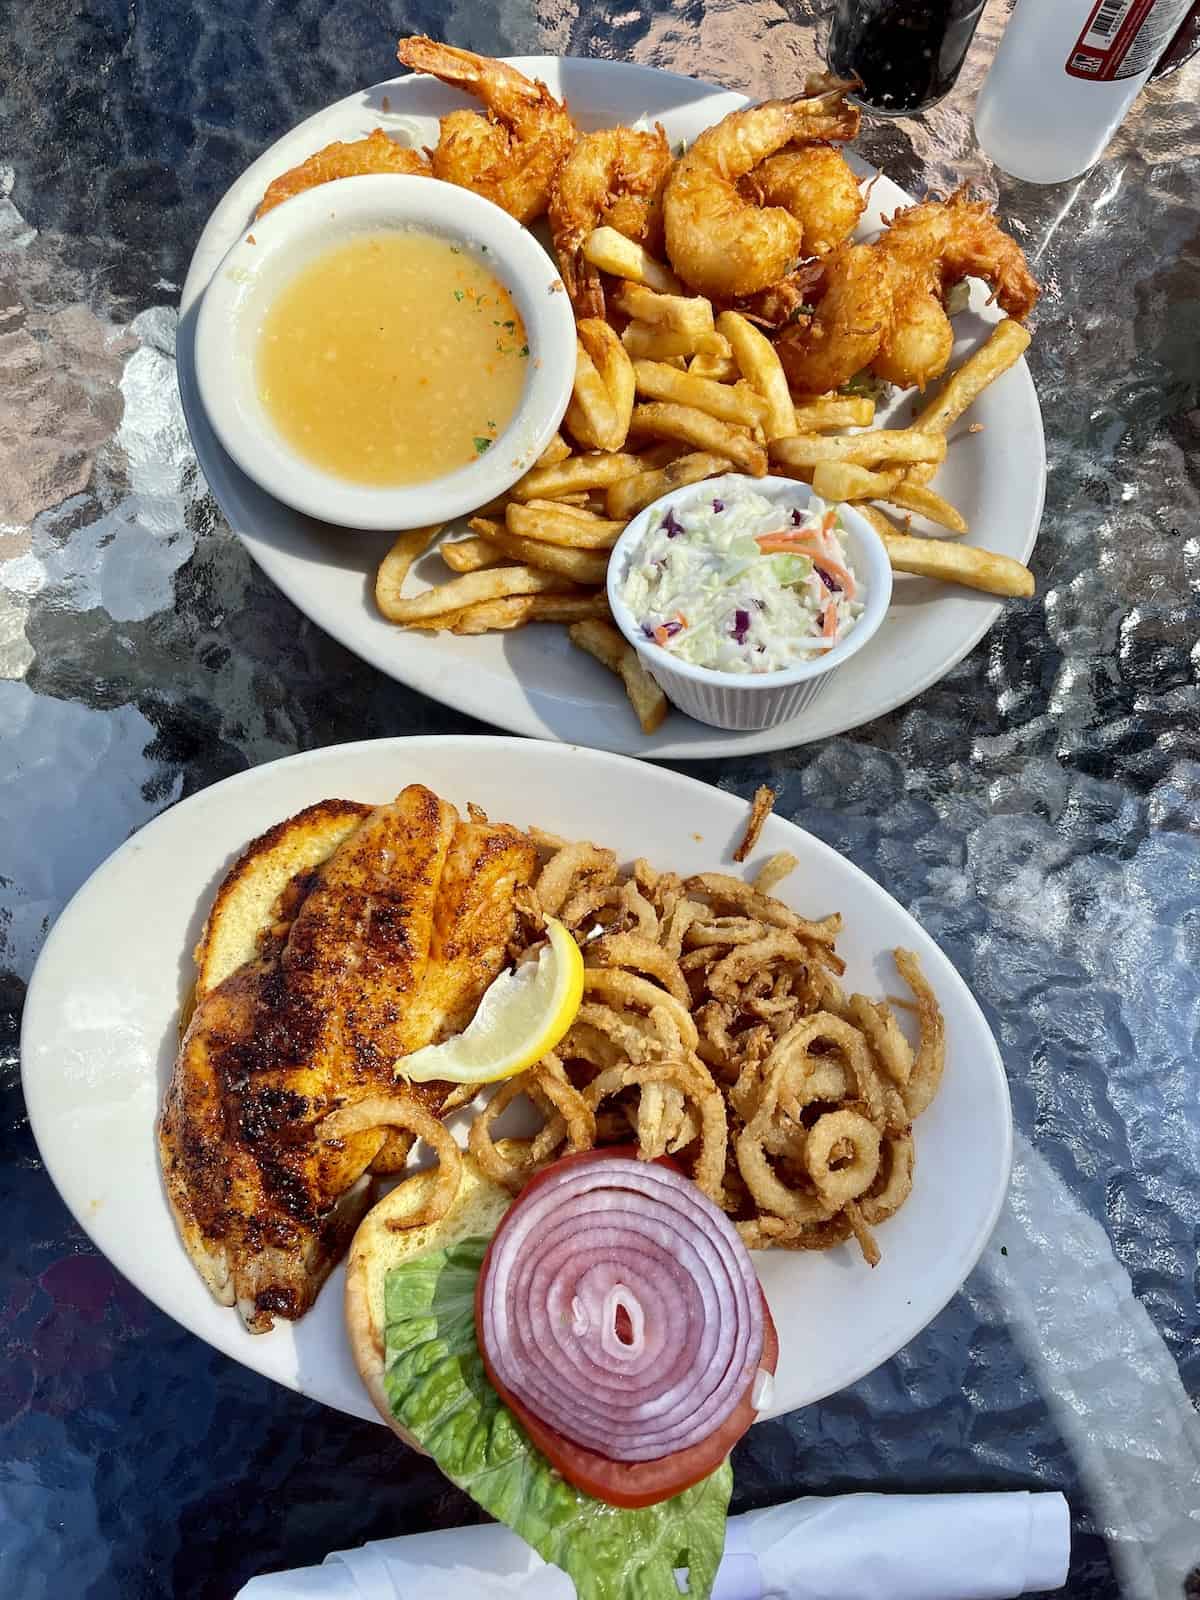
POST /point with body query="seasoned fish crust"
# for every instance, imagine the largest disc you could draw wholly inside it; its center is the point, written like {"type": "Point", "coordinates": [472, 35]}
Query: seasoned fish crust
{"type": "Point", "coordinates": [391, 948]}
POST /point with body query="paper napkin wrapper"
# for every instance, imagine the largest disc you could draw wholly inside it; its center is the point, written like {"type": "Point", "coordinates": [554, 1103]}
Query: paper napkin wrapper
{"type": "Point", "coordinates": [849, 1547]}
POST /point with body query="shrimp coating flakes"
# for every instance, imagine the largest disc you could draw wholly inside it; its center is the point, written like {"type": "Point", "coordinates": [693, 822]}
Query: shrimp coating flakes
{"type": "Point", "coordinates": [714, 1029]}
{"type": "Point", "coordinates": [511, 151]}
{"type": "Point", "coordinates": [927, 250]}
{"type": "Point", "coordinates": [356, 159]}
{"type": "Point", "coordinates": [719, 241]}
{"type": "Point", "coordinates": [883, 305]}
{"type": "Point", "coordinates": [615, 179]}
{"type": "Point", "coordinates": [845, 333]}
{"type": "Point", "coordinates": [815, 183]}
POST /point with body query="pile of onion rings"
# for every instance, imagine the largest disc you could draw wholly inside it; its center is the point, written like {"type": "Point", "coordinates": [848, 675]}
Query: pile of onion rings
{"type": "Point", "coordinates": [715, 1029]}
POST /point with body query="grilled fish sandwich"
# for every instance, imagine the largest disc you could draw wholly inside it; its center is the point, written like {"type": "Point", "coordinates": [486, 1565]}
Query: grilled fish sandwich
{"type": "Point", "coordinates": [340, 942]}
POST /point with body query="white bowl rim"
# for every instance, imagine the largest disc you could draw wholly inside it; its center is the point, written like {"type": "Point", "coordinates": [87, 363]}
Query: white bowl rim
{"type": "Point", "coordinates": [389, 200]}
{"type": "Point", "coordinates": [879, 593]}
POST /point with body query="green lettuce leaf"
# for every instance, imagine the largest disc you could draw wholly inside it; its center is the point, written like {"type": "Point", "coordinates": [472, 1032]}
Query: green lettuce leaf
{"type": "Point", "coordinates": [866, 383]}
{"type": "Point", "coordinates": [439, 1391]}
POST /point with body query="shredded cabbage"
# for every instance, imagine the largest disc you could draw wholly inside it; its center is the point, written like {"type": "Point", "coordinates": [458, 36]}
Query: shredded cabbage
{"type": "Point", "coordinates": [701, 586]}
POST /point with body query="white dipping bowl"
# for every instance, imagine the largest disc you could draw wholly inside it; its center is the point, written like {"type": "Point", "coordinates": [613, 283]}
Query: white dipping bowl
{"type": "Point", "coordinates": [750, 699]}
{"type": "Point", "coordinates": [277, 246]}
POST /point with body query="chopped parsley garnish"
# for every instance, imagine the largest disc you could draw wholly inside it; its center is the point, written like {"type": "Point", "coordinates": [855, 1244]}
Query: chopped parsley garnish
{"type": "Point", "coordinates": [481, 445]}
{"type": "Point", "coordinates": [524, 350]}
{"type": "Point", "coordinates": [458, 294]}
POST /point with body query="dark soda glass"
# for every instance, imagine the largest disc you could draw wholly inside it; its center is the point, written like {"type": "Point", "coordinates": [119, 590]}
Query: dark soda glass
{"type": "Point", "coordinates": [906, 52]}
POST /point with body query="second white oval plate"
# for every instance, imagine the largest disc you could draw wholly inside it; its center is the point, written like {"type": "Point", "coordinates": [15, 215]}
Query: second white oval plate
{"type": "Point", "coordinates": [533, 680]}
{"type": "Point", "coordinates": [101, 1030]}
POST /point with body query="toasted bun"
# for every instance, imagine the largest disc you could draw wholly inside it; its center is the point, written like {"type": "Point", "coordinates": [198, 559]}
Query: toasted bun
{"type": "Point", "coordinates": [379, 1245]}
{"type": "Point", "coordinates": [245, 903]}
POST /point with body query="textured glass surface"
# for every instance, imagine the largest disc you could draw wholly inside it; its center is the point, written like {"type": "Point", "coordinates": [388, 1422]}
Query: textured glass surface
{"type": "Point", "coordinates": [1037, 810]}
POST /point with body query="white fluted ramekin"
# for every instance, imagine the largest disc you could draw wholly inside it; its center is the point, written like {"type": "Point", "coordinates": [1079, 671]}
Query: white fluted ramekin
{"type": "Point", "coordinates": [751, 699]}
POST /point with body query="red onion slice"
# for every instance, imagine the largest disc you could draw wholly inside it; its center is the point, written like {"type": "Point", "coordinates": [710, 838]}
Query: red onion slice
{"type": "Point", "coordinates": [618, 1304]}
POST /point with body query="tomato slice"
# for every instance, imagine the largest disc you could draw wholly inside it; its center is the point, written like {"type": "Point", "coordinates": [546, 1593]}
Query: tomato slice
{"type": "Point", "coordinates": [630, 1484]}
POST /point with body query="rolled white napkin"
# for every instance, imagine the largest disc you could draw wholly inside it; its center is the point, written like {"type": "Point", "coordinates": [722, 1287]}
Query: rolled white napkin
{"type": "Point", "coordinates": [850, 1547]}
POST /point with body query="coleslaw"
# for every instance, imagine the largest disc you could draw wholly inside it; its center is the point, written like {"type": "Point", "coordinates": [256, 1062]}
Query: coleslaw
{"type": "Point", "coordinates": [738, 583]}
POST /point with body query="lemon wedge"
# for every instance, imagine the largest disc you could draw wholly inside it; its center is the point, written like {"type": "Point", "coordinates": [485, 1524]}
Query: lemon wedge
{"type": "Point", "coordinates": [522, 1015]}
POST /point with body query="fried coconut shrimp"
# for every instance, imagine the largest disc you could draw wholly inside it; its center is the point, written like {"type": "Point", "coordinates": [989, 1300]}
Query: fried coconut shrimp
{"type": "Point", "coordinates": [785, 301]}
{"type": "Point", "coordinates": [815, 183]}
{"type": "Point", "coordinates": [509, 153]}
{"type": "Point", "coordinates": [883, 305]}
{"type": "Point", "coordinates": [614, 179]}
{"type": "Point", "coordinates": [844, 335]}
{"type": "Point", "coordinates": [375, 153]}
{"type": "Point", "coordinates": [719, 241]}
{"type": "Point", "coordinates": [927, 249]}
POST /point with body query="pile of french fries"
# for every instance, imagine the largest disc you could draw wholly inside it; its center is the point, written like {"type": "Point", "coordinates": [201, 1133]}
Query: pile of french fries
{"type": "Point", "coordinates": [685, 392]}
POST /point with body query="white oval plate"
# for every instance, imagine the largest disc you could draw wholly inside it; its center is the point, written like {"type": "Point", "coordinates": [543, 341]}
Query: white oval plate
{"type": "Point", "coordinates": [100, 1035]}
{"type": "Point", "coordinates": [533, 680]}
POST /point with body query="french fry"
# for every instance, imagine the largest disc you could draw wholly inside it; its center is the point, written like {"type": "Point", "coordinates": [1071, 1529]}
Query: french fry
{"type": "Point", "coordinates": [690, 314]}
{"type": "Point", "coordinates": [656, 344]}
{"type": "Point", "coordinates": [567, 508]}
{"type": "Point", "coordinates": [557, 450]}
{"type": "Point", "coordinates": [495, 584]}
{"type": "Point", "coordinates": [1005, 346]}
{"type": "Point", "coordinates": [959, 563]}
{"type": "Point", "coordinates": [834, 411]}
{"type": "Point", "coordinates": [469, 555]}
{"type": "Point", "coordinates": [842, 480]}
{"type": "Point", "coordinates": [883, 525]}
{"type": "Point", "coordinates": [612, 252]}
{"type": "Point", "coordinates": [560, 525]}
{"type": "Point", "coordinates": [660, 454]}
{"type": "Point", "coordinates": [393, 569]}
{"type": "Point", "coordinates": [606, 644]}
{"type": "Point", "coordinates": [801, 453]}
{"type": "Point", "coordinates": [953, 563]}
{"type": "Point", "coordinates": [730, 402]}
{"type": "Point", "coordinates": [717, 346]}
{"type": "Point", "coordinates": [720, 368]}
{"type": "Point", "coordinates": [626, 499]}
{"type": "Point", "coordinates": [664, 420]}
{"type": "Point", "coordinates": [572, 473]}
{"type": "Point", "coordinates": [616, 372]}
{"type": "Point", "coordinates": [496, 616]}
{"type": "Point", "coordinates": [585, 567]}
{"type": "Point", "coordinates": [591, 415]}
{"type": "Point", "coordinates": [845, 480]}
{"type": "Point", "coordinates": [926, 503]}
{"type": "Point", "coordinates": [755, 355]}
{"type": "Point", "coordinates": [603, 641]}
